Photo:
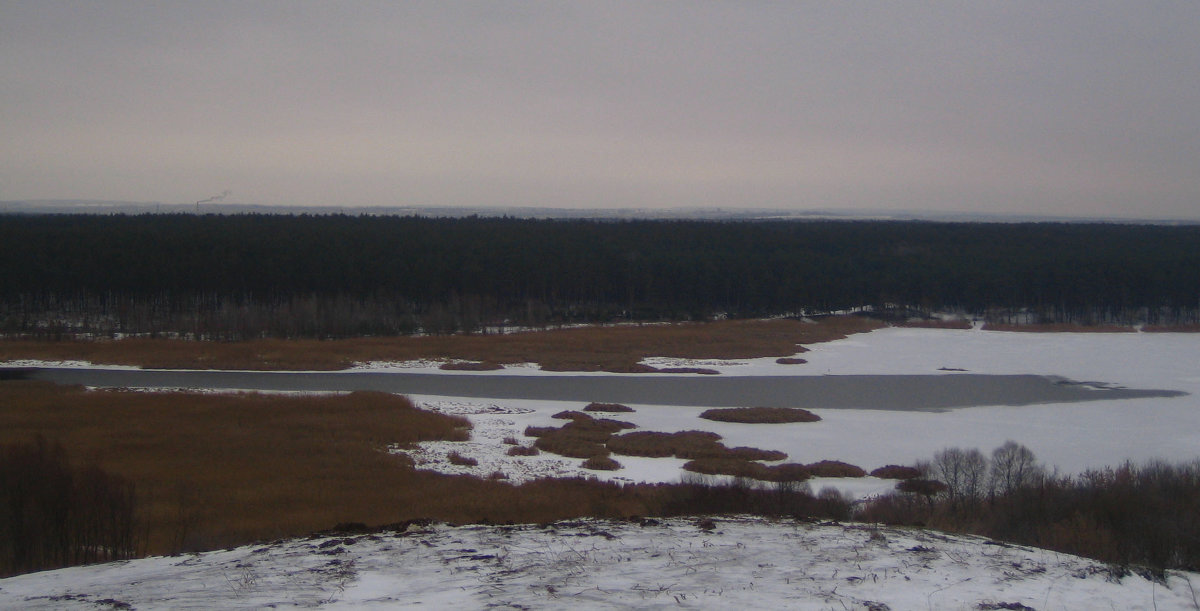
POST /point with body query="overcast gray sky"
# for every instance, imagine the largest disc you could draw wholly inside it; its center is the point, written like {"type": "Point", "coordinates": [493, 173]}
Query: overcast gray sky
{"type": "Point", "coordinates": [1061, 108]}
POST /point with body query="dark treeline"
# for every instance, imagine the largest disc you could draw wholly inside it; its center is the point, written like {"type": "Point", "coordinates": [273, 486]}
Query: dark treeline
{"type": "Point", "coordinates": [54, 514]}
{"type": "Point", "coordinates": [327, 276]}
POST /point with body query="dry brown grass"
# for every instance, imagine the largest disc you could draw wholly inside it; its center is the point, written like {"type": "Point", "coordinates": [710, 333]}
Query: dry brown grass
{"type": "Point", "coordinates": [727, 466]}
{"type": "Point", "coordinates": [685, 444]}
{"type": "Point", "coordinates": [463, 461]}
{"type": "Point", "coordinates": [612, 408]}
{"type": "Point", "coordinates": [896, 472]}
{"type": "Point", "coordinates": [215, 469]}
{"type": "Point", "coordinates": [760, 415]}
{"type": "Point", "coordinates": [936, 324]}
{"type": "Point", "coordinates": [471, 366]}
{"type": "Point", "coordinates": [570, 444]}
{"type": "Point", "coordinates": [601, 463]}
{"type": "Point", "coordinates": [582, 437]}
{"type": "Point", "coordinates": [748, 453]}
{"type": "Point", "coordinates": [1058, 328]}
{"type": "Point", "coordinates": [1195, 328]}
{"type": "Point", "coordinates": [582, 349]}
{"type": "Point", "coordinates": [220, 470]}
{"type": "Point", "coordinates": [834, 468]}
{"type": "Point", "coordinates": [734, 467]}
{"type": "Point", "coordinates": [651, 444]}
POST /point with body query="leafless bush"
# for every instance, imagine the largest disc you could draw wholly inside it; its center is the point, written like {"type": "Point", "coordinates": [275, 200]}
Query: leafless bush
{"type": "Point", "coordinates": [523, 451]}
{"type": "Point", "coordinates": [1127, 515]}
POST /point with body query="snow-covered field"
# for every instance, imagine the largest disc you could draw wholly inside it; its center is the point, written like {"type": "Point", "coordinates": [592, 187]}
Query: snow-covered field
{"type": "Point", "coordinates": [670, 564]}
{"type": "Point", "coordinates": [1071, 437]}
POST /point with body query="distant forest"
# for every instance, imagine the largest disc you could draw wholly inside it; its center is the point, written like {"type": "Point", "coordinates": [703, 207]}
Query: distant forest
{"type": "Point", "coordinates": [245, 276]}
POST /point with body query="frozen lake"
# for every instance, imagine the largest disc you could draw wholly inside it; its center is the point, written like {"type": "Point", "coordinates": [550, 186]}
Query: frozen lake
{"type": "Point", "coordinates": [908, 392]}
{"type": "Point", "coordinates": [922, 390]}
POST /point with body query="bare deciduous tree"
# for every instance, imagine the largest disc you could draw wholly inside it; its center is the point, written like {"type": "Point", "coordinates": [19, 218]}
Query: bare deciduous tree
{"type": "Point", "coordinates": [963, 471]}
{"type": "Point", "coordinates": [1013, 466]}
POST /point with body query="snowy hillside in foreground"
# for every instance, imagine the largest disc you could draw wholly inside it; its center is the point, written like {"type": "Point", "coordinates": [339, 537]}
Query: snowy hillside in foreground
{"type": "Point", "coordinates": [741, 563]}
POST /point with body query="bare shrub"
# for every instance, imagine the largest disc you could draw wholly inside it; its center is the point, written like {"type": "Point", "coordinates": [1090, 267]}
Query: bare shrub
{"type": "Point", "coordinates": [523, 451]}
{"type": "Point", "coordinates": [787, 360]}
{"type": "Point", "coordinates": [923, 487]}
{"type": "Point", "coordinates": [601, 463]}
{"type": "Point", "coordinates": [834, 468]}
{"type": "Point", "coordinates": [463, 461]}
{"type": "Point", "coordinates": [511, 441]}
{"type": "Point", "coordinates": [765, 415]}
{"type": "Point", "coordinates": [607, 407]}
{"type": "Point", "coordinates": [1127, 515]}
{"type": "Point", "coordinates": [699, 370]}
{"type": "Point", "coordinates": [896, 472]}
{"type": "Point", "coordinates": [831, 502]}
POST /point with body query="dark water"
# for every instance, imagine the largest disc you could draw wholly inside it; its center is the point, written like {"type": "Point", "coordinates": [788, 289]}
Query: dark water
{"type": "Point", "coordinates": [892, 392]}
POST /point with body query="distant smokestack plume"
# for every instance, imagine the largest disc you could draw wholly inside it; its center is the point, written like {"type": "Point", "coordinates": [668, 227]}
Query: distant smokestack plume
{"type": "Point", "coordinates": [215, 198]}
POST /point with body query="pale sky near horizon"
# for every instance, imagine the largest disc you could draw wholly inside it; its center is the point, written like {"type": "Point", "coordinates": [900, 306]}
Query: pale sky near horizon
{"type": "Point", "coordinates": [1026, 107]}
